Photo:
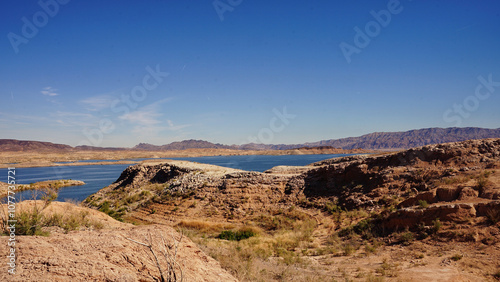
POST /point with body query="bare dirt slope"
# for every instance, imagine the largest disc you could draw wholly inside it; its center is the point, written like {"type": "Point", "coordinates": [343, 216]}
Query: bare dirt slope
{"type": "Point", "coordinates": [104, 254]}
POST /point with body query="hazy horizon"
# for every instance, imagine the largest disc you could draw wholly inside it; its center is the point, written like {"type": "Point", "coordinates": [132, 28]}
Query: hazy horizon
{"type": "Point", "coordinates": [216, 142]}
{"type": "Point", "coordinates": [236, 72]}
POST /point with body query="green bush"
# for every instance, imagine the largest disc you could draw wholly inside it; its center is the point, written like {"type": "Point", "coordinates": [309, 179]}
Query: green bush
{"type": "Point", "coordinates": [365, 228]}
{"type": "Point", "coordinates": [236, 236]}
{"type": "Point", "coordinates": [106, 208]}
{"type": "Point", "coordinates": [30, 223]}
{"type": "Point", "coordinates": [436, 225]}
{"type": "Point", "coordinates": [423, 204]}
{"type": "Point", "coordinates": [406, 238]}
{"type": "Point", "coordinates": [333, 208]}
{"type": "Point", "coordinates": [457, 257]}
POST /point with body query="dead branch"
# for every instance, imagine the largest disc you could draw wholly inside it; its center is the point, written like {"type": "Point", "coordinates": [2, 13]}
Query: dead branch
{"type": "Point", "coordinates": [169, 256]}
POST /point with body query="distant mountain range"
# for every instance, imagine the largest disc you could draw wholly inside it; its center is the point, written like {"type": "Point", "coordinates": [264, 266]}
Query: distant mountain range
{"type": "Point", "coordinates": [182, 145]}
{"type": "Point", "coordinates": [372, 141]}
{"type": "Point", "coordinates": [408, 139]}
{"type": "Point", "coordinates": [7, 145]}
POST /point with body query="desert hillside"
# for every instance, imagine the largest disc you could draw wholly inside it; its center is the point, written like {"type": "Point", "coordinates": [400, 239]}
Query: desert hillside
{"type": "Point", "coordinates": [418, 213]}
{"type": "Point", "coordinates": [81, 244]}
{"type": "Point", "coordinates": [22, 145]}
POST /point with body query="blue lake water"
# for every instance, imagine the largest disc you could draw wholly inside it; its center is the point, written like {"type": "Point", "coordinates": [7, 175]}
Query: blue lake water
{"type": "Point", "coordinates": [97, 177]}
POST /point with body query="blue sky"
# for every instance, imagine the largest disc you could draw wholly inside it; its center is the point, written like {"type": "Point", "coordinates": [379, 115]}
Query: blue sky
{"type": "Point", "coordinates": [95, 72]}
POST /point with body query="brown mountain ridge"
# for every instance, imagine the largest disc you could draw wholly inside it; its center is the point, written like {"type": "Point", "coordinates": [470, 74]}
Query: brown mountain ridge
{"type": "Point", "coordinates": [372, 141]}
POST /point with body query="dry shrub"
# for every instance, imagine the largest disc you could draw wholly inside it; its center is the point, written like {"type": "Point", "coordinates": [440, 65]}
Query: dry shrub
{"type": "Point", "coordinates": [204, 226]}
{"type": "Point", "coordinates": [493, 216]}
{"type": "Point", "coordinates": [33, 219]}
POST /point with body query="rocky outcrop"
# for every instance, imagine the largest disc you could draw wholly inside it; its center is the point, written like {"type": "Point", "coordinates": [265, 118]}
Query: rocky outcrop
{"type": "Point", "coordinates": [403, 173]}
{"type": "Point", "coordinates": [411, 218]}
{"type": "Point", "coordinates": [408, 178]}
{"type": "Point", "coordinates": [218, 190]}
{"type": "Point", "coordinates": [429, 197]}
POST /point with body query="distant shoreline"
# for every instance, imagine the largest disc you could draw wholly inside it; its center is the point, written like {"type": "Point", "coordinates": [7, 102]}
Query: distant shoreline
{"type": "Point", "coordinates": [56, 184]}
{"type": "Point", "coordinates": [49, 159]}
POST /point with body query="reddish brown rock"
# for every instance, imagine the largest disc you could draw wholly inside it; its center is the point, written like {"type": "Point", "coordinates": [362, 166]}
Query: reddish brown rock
{"type": "Point", "coordinates": [429, 197]}
{"type": "Point", "coordinates": [484, 209]}
{"type": "Point", "coordinates": [468, 193]}
{"type": "Point", "coordinates": [410, 218]}
{"type": "Point", "coordinates": [447, 194]}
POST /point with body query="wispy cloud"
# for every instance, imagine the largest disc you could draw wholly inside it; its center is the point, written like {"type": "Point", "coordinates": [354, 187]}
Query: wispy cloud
{"type": "Point", "coordinates": [173, 127]}
{"type": "Point", "coordinates": [97, 103]}
{"type": "Point", "coordinates": [25, 119]}
{"type": "Point", "coordinates": [146, 115]}
{"type": "Point", "coordinates": [142, 117]}
{"type": "Point", "coordinates": [49, 91]}
{"type": "Point", "coordinates": [150, 121]}
{"type": "Point", "coordinates": [72, 114]}
{"type": "Point", "coordinates": [73, 118]}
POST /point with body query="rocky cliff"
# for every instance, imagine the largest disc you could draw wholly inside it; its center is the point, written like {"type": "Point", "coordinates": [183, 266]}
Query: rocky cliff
{"type": "Point", "coordinates": [372, 182]}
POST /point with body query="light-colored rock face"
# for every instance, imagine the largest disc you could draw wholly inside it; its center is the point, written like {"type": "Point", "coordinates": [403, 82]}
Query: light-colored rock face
{"type": "Point", "coordinates": [107, 254]}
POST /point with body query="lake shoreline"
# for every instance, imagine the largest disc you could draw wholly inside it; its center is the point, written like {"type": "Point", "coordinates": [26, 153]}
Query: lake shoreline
{"type": "Point", "coordinates": [81, 158]}
{"type": "Point", "coordinates": [97, 176]}
{"type": "Point", "coordinates": [40, 185]}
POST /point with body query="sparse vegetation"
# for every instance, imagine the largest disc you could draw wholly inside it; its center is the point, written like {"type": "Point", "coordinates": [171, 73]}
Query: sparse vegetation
{"type": "Point", "coordinates": [34, 220]}
{"type": "Point", "coordinates": [406, 238]}
{"type": "Point", "coordinates": [456, 257]}
{"type": "Point", "coordinates": [30, 222]}
{"type": "Point", "coordinates": [236, 236]}
{"type": "Point", "coordinates": [109, 210]}
{"type": "Point", "coordinates": [436, 225]}
{"type": "Point", "coordinates": [496, 275]}
{"type": "Point", "coordinates": [387, 269]}
{"type": "Point", "coordinates": [481, 183]}
{"type": "Point", "coordinates": [493, 216]}
{"type": "Point", "coordinates": [423, 204]}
